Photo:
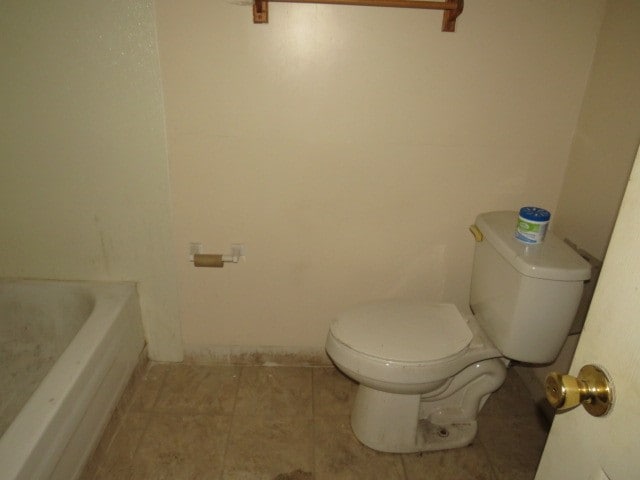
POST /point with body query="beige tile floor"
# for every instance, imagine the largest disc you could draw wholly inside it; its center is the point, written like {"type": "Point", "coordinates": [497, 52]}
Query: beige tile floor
{"type": "Point", "coordinates": [290, 423]}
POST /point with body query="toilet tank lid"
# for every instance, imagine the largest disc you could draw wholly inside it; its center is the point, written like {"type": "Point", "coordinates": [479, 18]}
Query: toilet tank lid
{"type": "Point", "coordinates": [403, 331]}
{"type": "Point", "coordinates": [551, 260]}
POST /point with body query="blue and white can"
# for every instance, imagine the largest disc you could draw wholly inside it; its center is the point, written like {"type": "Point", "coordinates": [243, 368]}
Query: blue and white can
{"type": "Point", "coordinates": [532, 225]}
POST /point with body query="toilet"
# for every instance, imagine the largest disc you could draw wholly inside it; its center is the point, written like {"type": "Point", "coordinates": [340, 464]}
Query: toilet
{"type": "Point", "coordinates": [425, 370]}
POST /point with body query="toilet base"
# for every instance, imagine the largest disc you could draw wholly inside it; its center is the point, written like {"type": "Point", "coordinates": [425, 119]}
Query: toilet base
{"type": "Point", "coordinates": [401, 423]}
{"type": "Point", "coordinates": [388, 422]}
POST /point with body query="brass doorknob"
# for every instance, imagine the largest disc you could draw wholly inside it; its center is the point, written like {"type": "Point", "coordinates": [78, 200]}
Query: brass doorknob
{"type": "Point", "coordinates": [591, 388]}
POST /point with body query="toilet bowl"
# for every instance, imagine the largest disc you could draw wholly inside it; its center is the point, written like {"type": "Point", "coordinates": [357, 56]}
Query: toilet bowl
{"type": "Point", "coordinates": [424, 373]}
{"type": "Point", "coordinates": [425, 370]}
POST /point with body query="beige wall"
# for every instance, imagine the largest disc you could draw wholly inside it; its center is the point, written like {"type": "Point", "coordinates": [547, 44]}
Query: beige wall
{"type": "Point", "coordinates": [83, 185]}
{"type": "Point", "coordinates": [603, 151]}
{"type": "Point", "coordinates": [350, 147]}
{"type": "Point", "coordinates": [607, 135]}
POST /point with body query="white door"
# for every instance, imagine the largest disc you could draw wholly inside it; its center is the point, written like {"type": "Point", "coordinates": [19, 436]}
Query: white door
{"type": "Point", "coordinates": [580, 446]}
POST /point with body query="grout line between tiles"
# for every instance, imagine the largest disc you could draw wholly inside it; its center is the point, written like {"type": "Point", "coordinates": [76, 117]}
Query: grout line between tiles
{"type": "Point", "coordinates": [231, 423]}
{"type": "Point", "coordinates": [148, 414]}
{"type": "Point", "coordinates": [96, 473]}
{"type": "Point", "coordinates": [142, 435]}
{"type": "Point", "coordinates": [121, 414]}
{"type": "Point", "coordinates": [494, 474]}
{"type": "Point", "coordinates": [160, 390]}
{"type": "Point", "coordinates": [237, 393]}
{"type": "Point", "coordinates": [404, 467]}
{"type": "Point", "coordinates": [313, 425]}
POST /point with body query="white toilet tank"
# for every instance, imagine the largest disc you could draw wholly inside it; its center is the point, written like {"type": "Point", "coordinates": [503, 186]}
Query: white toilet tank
{"type": "Point", "coordinates": [524, 296]}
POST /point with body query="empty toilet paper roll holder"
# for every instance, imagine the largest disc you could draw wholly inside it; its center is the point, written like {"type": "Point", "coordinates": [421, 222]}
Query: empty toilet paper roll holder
{"type": "Point", "coordinates": [200, 259]}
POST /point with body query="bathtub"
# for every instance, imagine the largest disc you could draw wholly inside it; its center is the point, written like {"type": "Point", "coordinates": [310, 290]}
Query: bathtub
{"type": "Point", "coordinates": [52, 435]}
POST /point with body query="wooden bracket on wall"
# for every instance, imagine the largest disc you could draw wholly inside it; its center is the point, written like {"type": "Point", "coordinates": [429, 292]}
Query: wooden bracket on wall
{"type": "Point", "coordinates": [452, 8]}
{"type": "Point", "coordinates": [260, 11]}
{"type": "Point", "coordinates": [450, 16]}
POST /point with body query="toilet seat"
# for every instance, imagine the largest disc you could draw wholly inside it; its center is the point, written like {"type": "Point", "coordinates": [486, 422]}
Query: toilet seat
{"type": "Point", "coordinates": [457, 343]}
{"type": "Point", "coordinates": [403, 331]}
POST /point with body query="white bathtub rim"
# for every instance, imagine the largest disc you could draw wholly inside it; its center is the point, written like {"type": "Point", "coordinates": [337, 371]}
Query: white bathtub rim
{"type": "Point", "coordinates": [36, 422]}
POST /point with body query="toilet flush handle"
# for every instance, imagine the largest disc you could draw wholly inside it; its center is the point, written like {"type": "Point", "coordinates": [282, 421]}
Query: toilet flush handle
{"type": "Point", "coordinates": [477, 234]}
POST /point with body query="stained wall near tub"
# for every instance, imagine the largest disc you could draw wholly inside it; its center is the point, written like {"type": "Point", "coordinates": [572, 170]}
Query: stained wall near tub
{"type": "Point", "coordinates": [84, 188]}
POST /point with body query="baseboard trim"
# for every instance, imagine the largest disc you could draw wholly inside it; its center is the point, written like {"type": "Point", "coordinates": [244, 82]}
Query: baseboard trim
{"type": "Point", "coordinates": [255, 355]}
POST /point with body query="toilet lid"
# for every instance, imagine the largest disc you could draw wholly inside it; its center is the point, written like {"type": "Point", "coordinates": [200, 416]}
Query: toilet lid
{"type": "Point", "coordinates": [403, 331]}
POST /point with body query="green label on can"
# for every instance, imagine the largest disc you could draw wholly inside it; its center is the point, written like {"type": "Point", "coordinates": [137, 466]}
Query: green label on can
{"type": "Point", "coordinates": [529, 227]}
{"type": "Point", "coordinates": [531, 232]}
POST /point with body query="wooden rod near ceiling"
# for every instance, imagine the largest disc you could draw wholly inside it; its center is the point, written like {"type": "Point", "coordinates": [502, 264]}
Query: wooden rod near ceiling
{"type": "Point", "coordinates": [452, 8]}
{"type": "Point", "coordinates": [382, 3]}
